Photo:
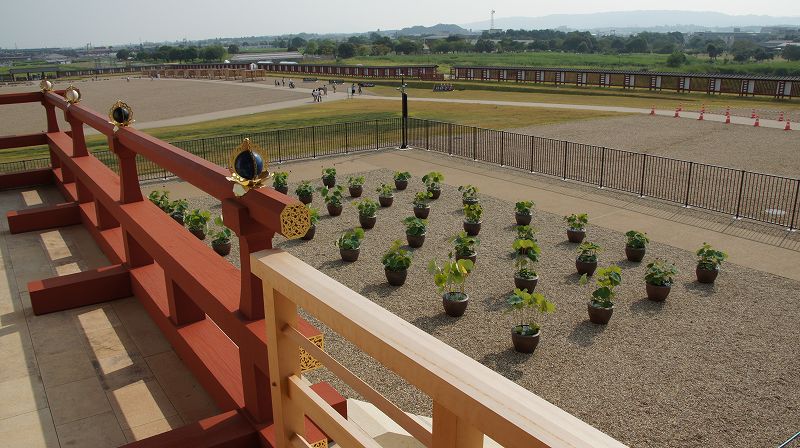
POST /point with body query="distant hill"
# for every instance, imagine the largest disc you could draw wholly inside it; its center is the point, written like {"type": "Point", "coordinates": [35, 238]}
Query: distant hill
{"type": "Point", "coordinates": [638, 21]}
{"type": "Point", "coordinates": [438, 29]}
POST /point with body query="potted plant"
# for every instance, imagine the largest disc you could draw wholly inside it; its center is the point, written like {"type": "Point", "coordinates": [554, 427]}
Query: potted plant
{"type": "Point", "coordinates": [472, 218]}
{"type": "Point", "coordinates": [356, 185]}
{"type": "Point", "coordinates": [221, 242]}
{"type": "Point", "coordinates": [178, 210]}
{"type": "Point", "coordinates": [279, 182]}
{"type": "Point", "coordinates": [433, 183]}
{"type": "Point", "coordinates": [349, 244]}
{"type": "Point", "coordinates": [469, 194]}
{"type": "Point", "coordinates": [576, 227]}
{"type": "Point", "coordinates": [449, 280]}
{"type": "Point", "coordinates": [395, 264]}
{"type": "Point", "coordinates": [305, 192]}
{"type": "Point", "coordinates": [367, 211]}
{"type": "Point", "coordinates": [586, 262]}
{"type": "Point", "coordinates": [708, 262]}
{"type": "Point", "coordinates": [329, 177]}
{"type": "Point", "coordinates": [635, 245]}
{"type": "Point", "coordinates": [422, 206]}
{"type": "Point", "coordinates": [601, 306]}
{"type": "Point", "coordinates": [415, 231]}
{"type": "Point", "coordinates": [385, 195]}
{"type": "Point", "coordinates": [160, 199]}
{"type": "Point", "coordinates": [525, 335]}
{"type": "Point", "coordinates": [525, 232]}
{"type": "Point", "coordinates": [525, 277]}
{"type": "Point", "coordinates": [523, 213]}
{"type": "Point", "coordinates": [332, 198]}
{"type": "Point", "coordinates": [658, 279]}
{"type": "Point", "coordinates": [401, 179]}
{"type": "Point", "coordinates": [465, 247]}
{"type": "Point", "coordinates": [524, 246]}
{"type": "Point", "coordinates": [313, 215]}
{"type": "Point", "coordinates": [197, 222]}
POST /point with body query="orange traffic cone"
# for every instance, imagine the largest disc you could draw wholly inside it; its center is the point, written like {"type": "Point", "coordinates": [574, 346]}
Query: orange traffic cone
{"type": "Point", "coordinates": [677, 113]}
{"type": "Point", "coordinates": [727, 110]}
{"type": "Point", "coordinates": [700, 118]}
{"type": "Point", "coordinates": [680, 107]}
{"type": "Point", "coordinates": [653, 110]}
{"type": "Point", "coordinates": [753, 114]}
{"type": "Point", "coordinates": [788, 126]}
{"type": "Point", "coordinates": [727, 118]}
{"type": "Point", "coordinates": [781, 117]}
{"type": "Point", "coordinates": [756, 124]}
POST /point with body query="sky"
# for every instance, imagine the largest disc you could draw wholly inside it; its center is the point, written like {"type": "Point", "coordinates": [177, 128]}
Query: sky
{"type": "Point", "coordinates": [51, 23]}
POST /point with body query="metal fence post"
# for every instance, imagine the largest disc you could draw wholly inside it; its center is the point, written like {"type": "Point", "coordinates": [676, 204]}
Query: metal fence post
{"type": "Point", "coordinates": [641, 185]}
{"type": "Point", "coordinates": [376, 135]}
{"type": "Point", "coordinates": [313, 142]}
{"type": "Point", "coordinates": [533, 139]}
{"type": "Point", "coordinates": [502, 147]}
{"type": "Point", "coordinates": [427, 135]}
{"type": "Point", "coordinates": [794, 208]}
{"type": "Point", "coordinates": [739, 200]}
{"type": "Point", "coordinates": [474, 143]}
{"type": "Point", "coordinates": [602, 166]}
{"type": "Point", "coordinates": [346, 139]}
{"type": "Point", "coordinates": [688, 185]}
{"type": "Point", "coordinates": [450, 139]}
{"type": "Point", "coordinates": [564, 173]}
{"type": "Point", "coordinates": [280, 153]}
{"type": "Point", "coordinates": [203, 148]}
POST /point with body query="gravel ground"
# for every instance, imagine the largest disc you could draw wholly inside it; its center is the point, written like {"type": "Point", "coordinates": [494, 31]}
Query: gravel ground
{"type": "Point", "coordinates": [150, 100]}
{"type": "Point", "coordinates": [772, 151]}
{"type": "Point", "coordinates": [714, 365]}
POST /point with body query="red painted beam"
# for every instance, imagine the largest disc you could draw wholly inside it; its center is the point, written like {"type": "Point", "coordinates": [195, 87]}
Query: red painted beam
{"type": "Point", "coordinates": [18, 98]}
{"type": "Point", "coordinates": [40, 218]}
{"type": "Point", "coordinates": [24, 179]}
{"type": "Point", "coordinates": [227, 430]}
{"type": "Point", "coordinates": [80, 289]}
{"type": "Point", "coordinates": [19, 141]}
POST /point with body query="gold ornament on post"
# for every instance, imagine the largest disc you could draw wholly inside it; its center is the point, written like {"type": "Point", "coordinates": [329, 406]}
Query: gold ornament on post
{"type": "Point", "coordinates": [120, 115]}
{"type": "Point", "coordinates": [249, 169]}
{"type": "Point", "coordinates": [72, 95]}
{"type": "Point", "coordinates": [46, 85]}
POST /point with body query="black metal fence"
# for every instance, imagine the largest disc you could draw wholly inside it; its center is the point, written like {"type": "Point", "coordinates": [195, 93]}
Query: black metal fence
{"type": "Point", "coordinates": [742, 194]}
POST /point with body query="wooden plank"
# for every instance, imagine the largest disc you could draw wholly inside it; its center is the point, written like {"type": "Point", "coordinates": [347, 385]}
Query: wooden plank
{"type": "Point", "coordinates": [449, 431]}
{"type": "Point", "coordinates": [20, 141]}
{"type": "Point", "coordinates": [41, 218]}
{"type": "Point", "coordinates": [18, 98]}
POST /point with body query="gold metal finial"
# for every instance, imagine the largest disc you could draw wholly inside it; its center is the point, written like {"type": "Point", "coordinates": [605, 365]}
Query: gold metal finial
{"type": "Point", "coordinates": [249, 167]}
{"type": "Point", "coordinates": [120, 115]}
{"type": "Point", "coordinates": [45, 85]}
{"type": "Point", "coordinates": [72, 94]}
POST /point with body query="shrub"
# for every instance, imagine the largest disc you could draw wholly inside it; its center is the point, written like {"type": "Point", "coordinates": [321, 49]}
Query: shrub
{"type": "Point", "coordinates": [587, 252]}
{"type": "Point", "coordinates": [367, 208]}
{"type": "Point", "coordinates": [577, 221]}
{"type": "Point", "coordinates": [329, 173]}
{"type": "Point", "coordinates": [468, 191]}
{"type": "Point", "coordinates": [223, 235]}
{"type": "Point", "coordinates": [304, 189]}
{"type": "Point", "coordinates": [415, 226]}
{"type": "Point", "coordinates": [313, 215]}
{"type": "Point", "coordinates": [280, 179]}
{"type": "Point", "coordinates": [524, 267]}
{"type": "Point", "coordinates": [464, 245]}
{"type": "Point", "coordinates": [385, 191]}
{"type": "Point", "coordinates": [161, 200]}
{"type": "Point", "coordinates": [351, 239]}
{"type": "Point", "coordinates": [636, 240]}
{"type": "Point", "coordinates": [660, 273]}
{"type": "Point", "coordinates": [525, 233]}
{"type": "Point", "coordinates": [396, 258]}
{"type": "Point", "coordinates": [402, 175]}
{"type": "Point", "coordinates": [532, 250]}
{"type": "Point", "coordinates": [197, 220]}
{"type": "Point", "coordinates": [710, 258]}
{"type": "Point", "coordinates": [355, 181]}
{"type": "Point", "coordinates": [451, 275]}
{"type": "Point", "coordinates": [433, 180]}
{"type": "Point", "coordinates": [178, 208]}
{"type": "Point", "coordinates": [422, 198]}
{"type": "Point", "coordinates": [607, 279]}
{"type": "Point", "coordinates": [332, 196]}
{"type": "Point", "coordinates": [522, 304]}
{"type": "Point", "coordinates": [524, 207]}
{"type": "Point", "coordinates": [473, 213]}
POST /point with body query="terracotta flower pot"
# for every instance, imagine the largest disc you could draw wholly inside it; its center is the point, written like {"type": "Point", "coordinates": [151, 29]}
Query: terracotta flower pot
{"type": "Point", "coordinates": [396, 278]}
{"type": "Point", "coordinates": [310, 234]}
{"type": "Point", "coordinates": [469, 201]}
{"type": "Point", "coordinates": [435, 192]}
{"type": "Point", "coordinates": [472, 228]}
{"type": "Point", "coordinates": [367, 222]}
{"type": "Point", "coordinates": [349, 254]}
{"type": "Point", "coordinates": [576, 236]}
{"type": "Point", "coordinates": [400, 184]}
{"type": "Point", "coordinates": [525, 283]}
{"type": "Point", "coordinates": [415, 240]}
{"type": "Point", "coordinates": [523, 220]}
{"type": "Point", "coordinates": [355, 192]}
{"type": "Point", "coordinates": [306, 199]}
{"type": "Point", "coordinates": [455, 308]}
{"type": "Point", "coordinates": [585, 267]}
{"type": "Point", "coordinates": [334, 210]}
{"type": "Point", "coordinates": [599, 315]}
{"type": "Point", "coordinates": [473, 257]}
{"type": "Point", "coordinates": [706, 275]}
{"type": "Point", "coordinates": [284, 189]}
{"type": "Point", "coordinates": [634, 254]}
{"type": "Point", "coordinates": [657, 293]}
{"type": "Point", "coordinates": [386, 201]}
{"type": "Point", "coordinates": [422, 212]}
{"type": "Point", "coordinates": [329, 182]}
{"type": "Point", "coordinates": [222, 248]}
{"type": "Point", "coordinates": [199, 233]}
{"type": "Point", "coordinates": [525, 344]}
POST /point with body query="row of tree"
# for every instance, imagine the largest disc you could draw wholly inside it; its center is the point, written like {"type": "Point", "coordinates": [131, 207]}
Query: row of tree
{"type": "Point", "coordinates": [181, 53]}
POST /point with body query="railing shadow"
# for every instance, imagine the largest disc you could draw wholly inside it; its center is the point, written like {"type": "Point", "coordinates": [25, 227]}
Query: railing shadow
{"type": "Point", "coordinates": [584, 333]}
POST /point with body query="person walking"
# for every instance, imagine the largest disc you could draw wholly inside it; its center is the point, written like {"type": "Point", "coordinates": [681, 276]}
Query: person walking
{"type": "Point", "coordinates": [325, 89]}
{"type": "Point", "coordinates": [353, 90]}
{"type": "Point", "coordinates": [359, 89]}
{"type": "Point", "coordinates": [334, 87]}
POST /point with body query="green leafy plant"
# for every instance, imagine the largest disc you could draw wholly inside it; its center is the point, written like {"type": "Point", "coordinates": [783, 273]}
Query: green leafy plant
{"type": "Point", "coordinates": [331, 196]}
{"type": "Point", "coordinates": [531, 249]}
{"type": "Point", "coordinates": [465, 245]}
{"type": "Point", "coordinates": [587, 252]}
{"type": "Point", "coordinates": [396, 258]}
{"type": "Point", "coordinates": [577, 221]}
{"type": "Point", "coordinates": [313, 215]}
{"type": "Point", "coordinates": [197, 220]}
{"type": "Point", "coordinates": [161, 200]}
{"type": "Point", "coordinates": [351, 239]}
{"type": "Point", "coordinates": [433, 180]}
{"type": "Point", "coordinates": [524, 266]}
{"type": "Point", "coordinates": [304, 189]}
{"type": "Point", "coordinates": [451, 277]}
{"type": "Point", "coordinates": [355, 181]}
{"type": "Point", "coordinates": [415, 226]}
{"type": "Point", "coordinates": [178, 209]}
{"type": "Point", "coordinates": [709, 258]}
{"type": "Point", "coordinates": [468, 192]}
{"type": "Point", "coordinates": [329, 173]}
{"type": "Point", "coordinates": [524, 207]}
{"type": "Point", "coordinates": [223, 235]}
{"type": "Point", "coordinates": [422, 198]}
{"type": "Point", "coordinates": [385, 191]}
{"type": "Point", "coordinates": [280, 179]}
{"type": "Point", "coordinates": [660, 273]}
{"type": "Point", "coordinates": [523, 305]}
{"type": "Point", "coordinates": [402, 175]}
{"type": "Point", "coordinates": [636, 240]}
{"type": "Point", "coordinates": [367, 207]}
{"type": "Point", "coordinates": [473, 213]}
{"type": "Point", "coordinates": [526, 233]}
{"type": "Point", "coordinates": [607, 279]}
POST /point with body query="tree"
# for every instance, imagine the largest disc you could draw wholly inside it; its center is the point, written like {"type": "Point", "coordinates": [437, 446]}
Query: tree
{"type": "Point", "coordinates": [213, 53]}
{"type": "Point", "coordinates": [676, 59]}
{"type": "Point", "coordinates": [713, 51]}
{"type": "Point", "coordinates": [761, 55]}
{"type": "Point", "coordinates": [233, 49]}
{"type": "Point", "coordinates": [123, 54]}
{"type": "Point", "coordinates": [791, 53]}
{"type": "Point", "coordinates": [742, 50]}
{"type": "Point", "coordinates": [297, 42]}
{"type": "Point", "coordinates": [485, 46]}
{"type": "Point", "coordinates": [311, 47]}
{"type": "Point", "coordinates": [407, 47]}
{"type": "Point", "coordinates": [346, 50]}
{"type": "Point", "coordinates": [637, 45]}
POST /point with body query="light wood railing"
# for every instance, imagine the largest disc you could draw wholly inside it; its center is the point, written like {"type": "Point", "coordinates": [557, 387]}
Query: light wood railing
{"type": "Point", "coordinates": [469, 399]}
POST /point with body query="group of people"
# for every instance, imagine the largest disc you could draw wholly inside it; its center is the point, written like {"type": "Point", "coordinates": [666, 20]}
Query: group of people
{"type": "Point", "coordinates": [443, 88]}
{"type": "Point", "coordinates": [282, 82]}
{"type": "Point", "coordinates": [319, 92]}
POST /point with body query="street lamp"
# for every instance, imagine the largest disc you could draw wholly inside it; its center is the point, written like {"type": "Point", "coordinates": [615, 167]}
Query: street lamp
{"type": "Point", "coordinates": [404, 96]}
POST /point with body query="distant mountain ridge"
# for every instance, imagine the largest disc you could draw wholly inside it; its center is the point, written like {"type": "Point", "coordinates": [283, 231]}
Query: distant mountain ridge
{"type": "Point", "coordinates": [419, 30]}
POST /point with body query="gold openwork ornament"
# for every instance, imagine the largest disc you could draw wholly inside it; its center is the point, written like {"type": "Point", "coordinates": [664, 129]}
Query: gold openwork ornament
{"type": "Point", "coordinates": [45, 85]}
{"type": "Point", "coordinates": [249, 169]}
{"type": "Point", "coordinates": [308, 362]}
{"type": "Point", "coordinates": [120, 115]}
{"type": "Point", "coordinates": [295, 221]}
{"type": "Point", "coordinates": [72, 95]}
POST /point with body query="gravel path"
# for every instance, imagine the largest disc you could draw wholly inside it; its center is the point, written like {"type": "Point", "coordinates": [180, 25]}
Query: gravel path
{"type": "Point", "coordinates": [743, 147]}
{"type": "Point", "coordinates": [711, 366]}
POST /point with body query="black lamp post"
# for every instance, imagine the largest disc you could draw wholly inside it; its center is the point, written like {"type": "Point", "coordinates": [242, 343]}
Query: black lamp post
{"type": "Point", "coordinates": [404, 143]}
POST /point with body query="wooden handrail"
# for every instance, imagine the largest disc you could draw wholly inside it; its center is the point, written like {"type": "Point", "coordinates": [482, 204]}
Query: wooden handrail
{"type": "Point", "coordinates": [476, 397]}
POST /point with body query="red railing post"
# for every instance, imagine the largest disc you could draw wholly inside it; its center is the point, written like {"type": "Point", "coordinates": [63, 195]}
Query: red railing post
{"type": "Point", "coordinates": [105, 220]}
{"type": "Point", "coordinates": [129, 190]}
{"type": "Point", "coordinates": [50, 111]}
{"type": "Point", "coordinates": [182, 309]}
{"type": "Point", "coordinates": [78, 138]}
